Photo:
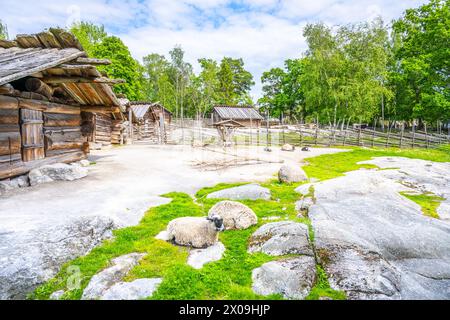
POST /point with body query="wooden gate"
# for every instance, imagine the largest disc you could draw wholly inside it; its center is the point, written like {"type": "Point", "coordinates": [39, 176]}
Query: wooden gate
{"type": "Point", "coordinates": [32, 135]}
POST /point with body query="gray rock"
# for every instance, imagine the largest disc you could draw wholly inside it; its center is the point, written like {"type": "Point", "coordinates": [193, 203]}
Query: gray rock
{"type": "Point", "coordinates": [304, 188]}
{"type": "Point", "coordinates": [235, 215]}
{"type": "Point", "coordinates": [292, 278]}
{"type": "Point", "coordinates": [304, 204]}
{"type": "Point", "coordinates": [102, 281]}
{"type": "Point", "coordinates": [57, 295]}
{"type": "Point", "coordinates": [5, 186]}
{"type": "Point", "coordinates": [21, 181]}
{"type": "Point", "coordinates": [38, 255]}
{"type": "Point", "coordinates": [135, 290]}
{"type": "Point", "coordinates": [375, 243]}
{"type": "Point", "coordinates": [245, 192]}
{"type": "Point", "coordinates": [290, 174]}
{"type": "Point", "coordinates": [281, 238]}
{"type": "Point", "coordinates": [85, 163]}
{"type": "Point", "coordinates": [55, 172]}
{"type": "Point", "coordinates": [199, 257]}
{"type": "Point", "coordinates": [287, 147]}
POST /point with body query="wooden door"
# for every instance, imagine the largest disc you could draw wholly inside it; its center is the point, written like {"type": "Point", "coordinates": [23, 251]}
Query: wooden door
{"type": "Point", "coordinates": [32, 135]}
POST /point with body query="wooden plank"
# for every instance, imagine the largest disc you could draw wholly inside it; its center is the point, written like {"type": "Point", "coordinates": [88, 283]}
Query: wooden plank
{"type": "Point", "coordinates": [19, 168]}
{"type": "Point", "coordinates": [10, 143]}
{"type": "Point", "coordinates": [66, 39]}
{"type": "Point", "coordinates": [64, 145]}
{"type": "Point", "coordinates": [61, 120]}
{"type": "Point", "coordinates": [92, 61]}
{"type": "Point", "coordinates": [9, 116]}
{"type": "Point", "coordinates": [59, 80]}
{"type": "Point", "coordinates": [7, 102]}
{"type": "Point", "coordinates": [48, 40]}
{"type": "Point", "coordinates": [59, 57]}
{"type": "Point", "coordinates": [10, 158]}
{"type": "Point", "coordinates": [7, 44]}
{"type": "Point", "coordinates": [28, 41]}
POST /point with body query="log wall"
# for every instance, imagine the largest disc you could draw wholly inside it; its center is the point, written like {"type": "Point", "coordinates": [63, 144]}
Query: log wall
{"type": "Point", "coordinates": [34, 133]}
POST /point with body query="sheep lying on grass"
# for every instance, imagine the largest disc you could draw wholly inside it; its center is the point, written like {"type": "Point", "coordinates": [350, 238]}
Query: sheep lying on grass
{"type": "Point", "coordinates": [197, 232]}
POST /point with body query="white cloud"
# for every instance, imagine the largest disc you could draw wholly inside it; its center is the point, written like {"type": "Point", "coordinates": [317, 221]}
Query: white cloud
{"type": "Point", "coordinates": [263, 32]}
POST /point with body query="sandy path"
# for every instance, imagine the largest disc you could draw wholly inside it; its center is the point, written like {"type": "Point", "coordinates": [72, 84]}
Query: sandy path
{"type": "Point", "coordinates": [126, 181]}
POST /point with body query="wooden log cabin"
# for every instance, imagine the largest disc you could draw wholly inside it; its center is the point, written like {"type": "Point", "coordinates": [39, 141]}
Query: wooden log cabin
{"type": "Point", "coordinates": [53, 102]}
{"type": "Point", "coordinates": [246, 116]}
{"type": "Point", "coordinates": [150, 122]}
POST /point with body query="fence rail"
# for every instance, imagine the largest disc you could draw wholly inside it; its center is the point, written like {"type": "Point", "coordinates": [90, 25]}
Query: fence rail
{"type": "Point", "coordinates": [198, 131]}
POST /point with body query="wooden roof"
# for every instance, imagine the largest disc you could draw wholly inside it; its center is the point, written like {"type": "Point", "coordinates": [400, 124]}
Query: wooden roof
{"type": "Point", "coordinates": [228, 123]}
{"type": "Point", "coordinates": [57, 58]}
{"type": "Point", "coordinates": [237, 112]}
{"type": "Point", "coordinates": [140, 108]}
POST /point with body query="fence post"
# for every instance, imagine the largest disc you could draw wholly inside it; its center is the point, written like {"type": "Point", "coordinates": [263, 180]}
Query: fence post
{"type": "Point", "coordinates": [317, 128]}
{"type": "Point", "coordinates": [373, 132]}
{"type": "Point", "coordinates": [359, 135]}
{"type": "Point", "coordinates": [413, 133]}
{"type": "Point", "coordinates": [301, 136]}
{"type": "Point", "coordinates": [388, 134]}
{"type": "Point", "coordinates": [401, 134]}
{"type": "Point", "coordinates": [426, 135]}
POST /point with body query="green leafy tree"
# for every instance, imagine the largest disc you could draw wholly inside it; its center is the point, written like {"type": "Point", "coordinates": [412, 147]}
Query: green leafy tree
{"type": "Point", "coordinates": [422, 77]}
{"type": "Point", "coordinates": [89, 35]}
{"type": "Point", "coordinates": [123, 66]}
{"type": "Point", "coordinates": [234, 82]}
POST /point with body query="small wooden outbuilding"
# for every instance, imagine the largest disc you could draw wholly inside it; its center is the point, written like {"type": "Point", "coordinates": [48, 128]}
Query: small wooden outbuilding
{"type": "Point", "coordinates": [246, 116]}
{"type": "Point", "coordinates": [150, 122]}
{"type": "Point", "coordinates": [53, 102]}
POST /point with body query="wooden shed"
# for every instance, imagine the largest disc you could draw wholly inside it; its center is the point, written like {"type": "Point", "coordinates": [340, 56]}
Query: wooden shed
{"type": "Point", "coordinates": [246, 116]}
{"type": "Point", "coordinates": [50, 94]}
{"type": "Point", "coordinates": [150, 121]}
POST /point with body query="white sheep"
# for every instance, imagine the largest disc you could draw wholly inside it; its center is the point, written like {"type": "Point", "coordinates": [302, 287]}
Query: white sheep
{"type": "Point", "coordinates": [197, 232]}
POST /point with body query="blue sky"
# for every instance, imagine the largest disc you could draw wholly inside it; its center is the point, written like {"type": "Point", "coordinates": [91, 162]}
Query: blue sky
{"type": "Point", "coordinates": [263, 32]}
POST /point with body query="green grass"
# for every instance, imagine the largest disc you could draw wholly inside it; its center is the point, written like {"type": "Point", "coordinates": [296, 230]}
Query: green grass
{"type": "Point", "coordinates": [427, 201]}
{"type": "Point", "coordinates": [230, 277]}
{"type": "Point", "coordinates": [329, 166]}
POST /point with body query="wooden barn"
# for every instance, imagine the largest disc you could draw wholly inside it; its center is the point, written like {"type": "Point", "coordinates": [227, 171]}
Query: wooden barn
{"type": "Point", "coordinates": [150, 122]}
{"type": "Point", "coordinates": [53, 102]}
{"type": "Point", "coordinates": [246, 116]}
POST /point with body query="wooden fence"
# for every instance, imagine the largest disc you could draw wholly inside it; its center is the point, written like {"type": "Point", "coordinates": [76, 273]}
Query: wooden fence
{"type": "Point", "coordinates": [311, 135]}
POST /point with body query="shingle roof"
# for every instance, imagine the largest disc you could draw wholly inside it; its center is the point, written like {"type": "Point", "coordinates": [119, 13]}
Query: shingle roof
{"type": "Point", "coordinates": [139, 110]}
{"type": "Point", "coordinates": [53, 53]}
{"type": "Point", "coordinates": [238, 112]}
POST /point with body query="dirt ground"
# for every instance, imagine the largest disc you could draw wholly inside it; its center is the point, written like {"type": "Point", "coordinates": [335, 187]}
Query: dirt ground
{"type": "Point", "coordinates": [125, 181]}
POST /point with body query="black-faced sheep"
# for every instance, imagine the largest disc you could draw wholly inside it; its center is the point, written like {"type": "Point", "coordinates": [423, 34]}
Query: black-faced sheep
{"type": "Point", "coordinates": [197, 232]}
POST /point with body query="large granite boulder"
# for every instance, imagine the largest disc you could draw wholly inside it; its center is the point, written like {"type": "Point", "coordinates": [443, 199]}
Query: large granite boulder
{"type": "Point", "coordinates": [292, 278]}
{"type": "Point", "coordinates": [235, 215]}
{"type": "Point", "coordinates": [376, 244]}
{"type": "Point", "coordinates": [287, 147]}
{"type": "Point", "coordinates": [245, 192]}
{"type": "Point", "coordinates": [56, 172]}
{"type": "Point", "coordinates": [135, 290]}
{"type": "Point", "coordinates": [104, 280]}
{"type": "Point", "coordinates": [290, 174]}
{"type": "Point", "coordinates": [38, 255]}
{"type": "Point", "coordinates": [199, 257]}
{"type": "Point", "coordinates": [281, 238]}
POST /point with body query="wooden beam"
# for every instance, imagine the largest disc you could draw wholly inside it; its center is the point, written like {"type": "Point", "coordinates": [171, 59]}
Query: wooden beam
{"type": "Point", "coordinates": [99, 109]}
{"type": "Point", "coordinates": [59, 80]}
{"type": "Point", "coordinates": [19, 168]}
{"type": "Point", "coordinates": [92, 61]}
{"type": "Point", "coordinates": [7, 102]}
